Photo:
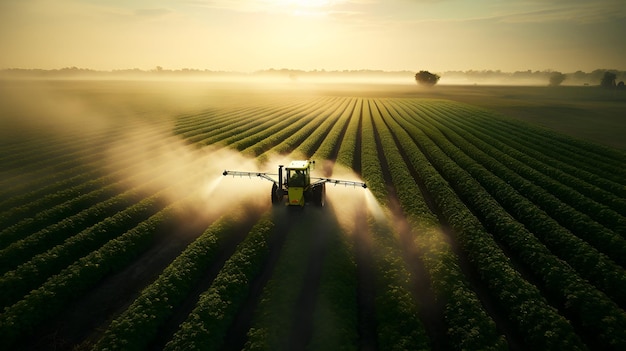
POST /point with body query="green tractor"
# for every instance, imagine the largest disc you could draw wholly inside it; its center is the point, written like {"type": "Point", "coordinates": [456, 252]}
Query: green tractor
{"type": "Point", "coordinates": [297, 185]}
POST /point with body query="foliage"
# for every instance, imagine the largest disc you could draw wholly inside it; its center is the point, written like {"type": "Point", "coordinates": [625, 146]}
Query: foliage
{"type": "Point", "coordinates": [133, 330]}
{"type": "Point", "coordinates": [556, 78]}
{"type": "Point", "coordinates": [207, 324]}
{"type": "Point", "coordinates": [608, 80]}
{"type": "Point", "coordinates": [539, 216]}
{"type": "Point", "coordinates": [426, 78]}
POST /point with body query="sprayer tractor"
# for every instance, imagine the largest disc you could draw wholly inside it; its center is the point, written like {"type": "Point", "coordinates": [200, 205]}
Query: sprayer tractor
{"type": "Point", "coordinates": [297, 185]}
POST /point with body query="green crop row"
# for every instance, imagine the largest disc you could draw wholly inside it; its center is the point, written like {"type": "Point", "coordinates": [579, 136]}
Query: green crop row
{"type": "Point", "coordinates": [207, 121]}
{"type": "Point", "coordinates": [56, 160]}
{"type": "Point", "coordinates": [46, 196]}
{"type": "Point", "coordinates": [332, 140]}
{"type": "Point", "coordinates": [234, 123]}
{"type": "Point", "coordinates": [398, 324]}
{"type": "Point", "coordinates": [139, 323]}
{"type": "Point", "coordinates": [97, 206]}
{"type": "Point", "coordinates": [45, 176]}
{"type": "Point", "coordinates": [348, 148]}
{"type": "Point", "coordinates": [598, 212]}
{"type": "Point", "coordinates": [20, 319]}
{"type": "Point", "coordinates": [16, 283]}
{"type": "Point", "coordinates": [80, 180]}
{"type": "Point", "coordinates": [21, 250]}
{"type": "Point", "coordinates": [578, 296]}
{"type": "Point", "coordinates": [590, 264]}
{"type": "Point", "coordinates": [198, 126]}
{"type": "Point", "coordinates": [551, 180]}
{"type": "Point", "coordinates": [594, 158]}
{"type": "Point", "coordinates": [600, 160]}
{"type": "Point", "coordinates": [572, 196]}
{"type": "Point", "coordinates": [468, 324]}
{"type": "Point", "coordinates": [370, 162]}
{"type": "Point", "coordinates": [57, 213]}
{"type": "Point", "coordinates": [273, 123]}
{"type": "Point", "coordinates": [207, 325]}
{"type": "Point", "coordinates": [274, 135]}
{"type": "Point", "coordinates": [45, 155]}
{"type": "Point", "coordinates": [310, 137]}
{"type": "Point", "coordinates": [539, 323]}
{"type": "Point", "coordinates": [571, 174]}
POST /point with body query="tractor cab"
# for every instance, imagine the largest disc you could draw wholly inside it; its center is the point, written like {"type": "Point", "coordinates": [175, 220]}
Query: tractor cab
{"type": "Point", "coordinates": [298, 181]}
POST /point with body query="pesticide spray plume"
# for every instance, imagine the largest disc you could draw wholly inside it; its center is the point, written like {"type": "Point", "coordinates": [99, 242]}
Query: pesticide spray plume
{"type": "Point", "coordinates": [351, 205]}
{"type": "Point", "coordinates": [159, 160]}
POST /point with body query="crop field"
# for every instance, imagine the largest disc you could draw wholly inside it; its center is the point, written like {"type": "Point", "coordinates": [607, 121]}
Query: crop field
{"type": "Point", "coordinates": [477, 231]}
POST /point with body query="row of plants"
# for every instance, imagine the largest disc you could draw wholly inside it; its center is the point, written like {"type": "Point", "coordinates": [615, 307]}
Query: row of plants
{"type": "Point", "coordinates": [45, 196]}
{"type": "Point", "coordinates": [576, 295]}
{"type": "Point", "coordinates": [540, 324]}
{"type": "Point", "coordinates": [51, 159]}
{"type": "Point", "coordinates": [308, 138]}
{"type": "Point", "coordinates": [230, 124]}
{"type": "Point", "coordinates": [22, 249]}
{"type": "Point", "coordinates": [138, 325]}
{"type": "Point", "coordinates": [571, 173]}
{"type": "Point", "coordinates": [332, 141]}
{"type": "Point", "coordinates": [16, 283]}
{"type": "Point", "coordinates": [206, 327]}
{"type": "Point", "coordinates": [571, 196]}
{"type": "Point", "coordinates": [46, 154]}
{"type": "Point", "coordinates": [398, 325]}
{"type": "Point", "coordinates": [275, 119]}
{"type": "Point", "coordinates": [216, 120]}
{"type": "Point", "coordinates": [20, 320]}
{"type": "Point", "coordinates": [276, 134]}
{"type": "Point", "coordinates": [590, 264]}
{"type": "Point", "coordinates": [44, 174]}
{"type": "Point", "coordinates": [189, 127]}
{"type": "Point", "coordinates": [58, 186]}
{"type": "Point", "coordinates": [349, 144]}
{"type": "Point", "coordinates": [75, 207]}
{"type": "Point", "coordinates": [593, 158]}
{"type": "Point", "coordinates": [544, 223]}
{"type": "Point", "coordinates": [53, 226]}
{"type": "Point", "coordinates": [469, 327]}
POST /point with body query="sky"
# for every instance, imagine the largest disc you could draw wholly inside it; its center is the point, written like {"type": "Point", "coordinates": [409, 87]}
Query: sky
{"type": "Point", "coordinates": [252, 35]}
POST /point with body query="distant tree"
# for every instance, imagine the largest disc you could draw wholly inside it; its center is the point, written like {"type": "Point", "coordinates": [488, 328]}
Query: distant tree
{"type": "Point", "coordinates": [608, 80]}
{"type": "Point", "coordinates": [426, 78]}
{"type": "Point", "coordinates": [556, 78]}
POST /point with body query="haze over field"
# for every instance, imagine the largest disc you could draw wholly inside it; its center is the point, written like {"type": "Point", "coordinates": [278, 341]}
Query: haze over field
{"type": "Point", "coordinates": [252, 35]}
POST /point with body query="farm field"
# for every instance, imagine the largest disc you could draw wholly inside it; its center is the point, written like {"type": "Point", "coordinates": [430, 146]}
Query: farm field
{"type": "Point", "coordinates": [480, 227]}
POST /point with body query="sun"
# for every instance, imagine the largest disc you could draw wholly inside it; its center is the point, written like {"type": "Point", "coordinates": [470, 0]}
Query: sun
{"type": "Point", "coordinates": [303, 8]}
{"type": "Point", "coordinates": [305, 5]}
{"type": "Point", "coordinates": [312, 3]}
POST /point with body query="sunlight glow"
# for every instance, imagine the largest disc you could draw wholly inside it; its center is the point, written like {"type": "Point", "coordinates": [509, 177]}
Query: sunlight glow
{"type": "Point", "coordinates": [251, 35]}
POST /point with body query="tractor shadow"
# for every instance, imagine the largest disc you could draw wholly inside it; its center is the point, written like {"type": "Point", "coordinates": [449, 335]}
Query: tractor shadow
{"type": "Point", "coordinates": [313, 227]}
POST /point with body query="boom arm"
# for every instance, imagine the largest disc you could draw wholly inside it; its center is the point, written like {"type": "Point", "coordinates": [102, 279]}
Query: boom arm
{"type": "Point", "coordinates": [317, 182]}
{"type": "Point", "coordinates": [251, 174]}
{"type": "Point", "coordinates": [338, 181]}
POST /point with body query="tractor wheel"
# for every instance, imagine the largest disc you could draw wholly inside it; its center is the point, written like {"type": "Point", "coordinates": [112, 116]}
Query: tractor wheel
{"type": "Point", "coordinates": [276, 198]}
{"type": "Point", "coordinates": [319, 195]}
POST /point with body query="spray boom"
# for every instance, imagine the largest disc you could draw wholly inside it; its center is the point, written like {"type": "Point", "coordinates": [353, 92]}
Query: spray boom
{"type": "Point", "coordinates": [297, 184]}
